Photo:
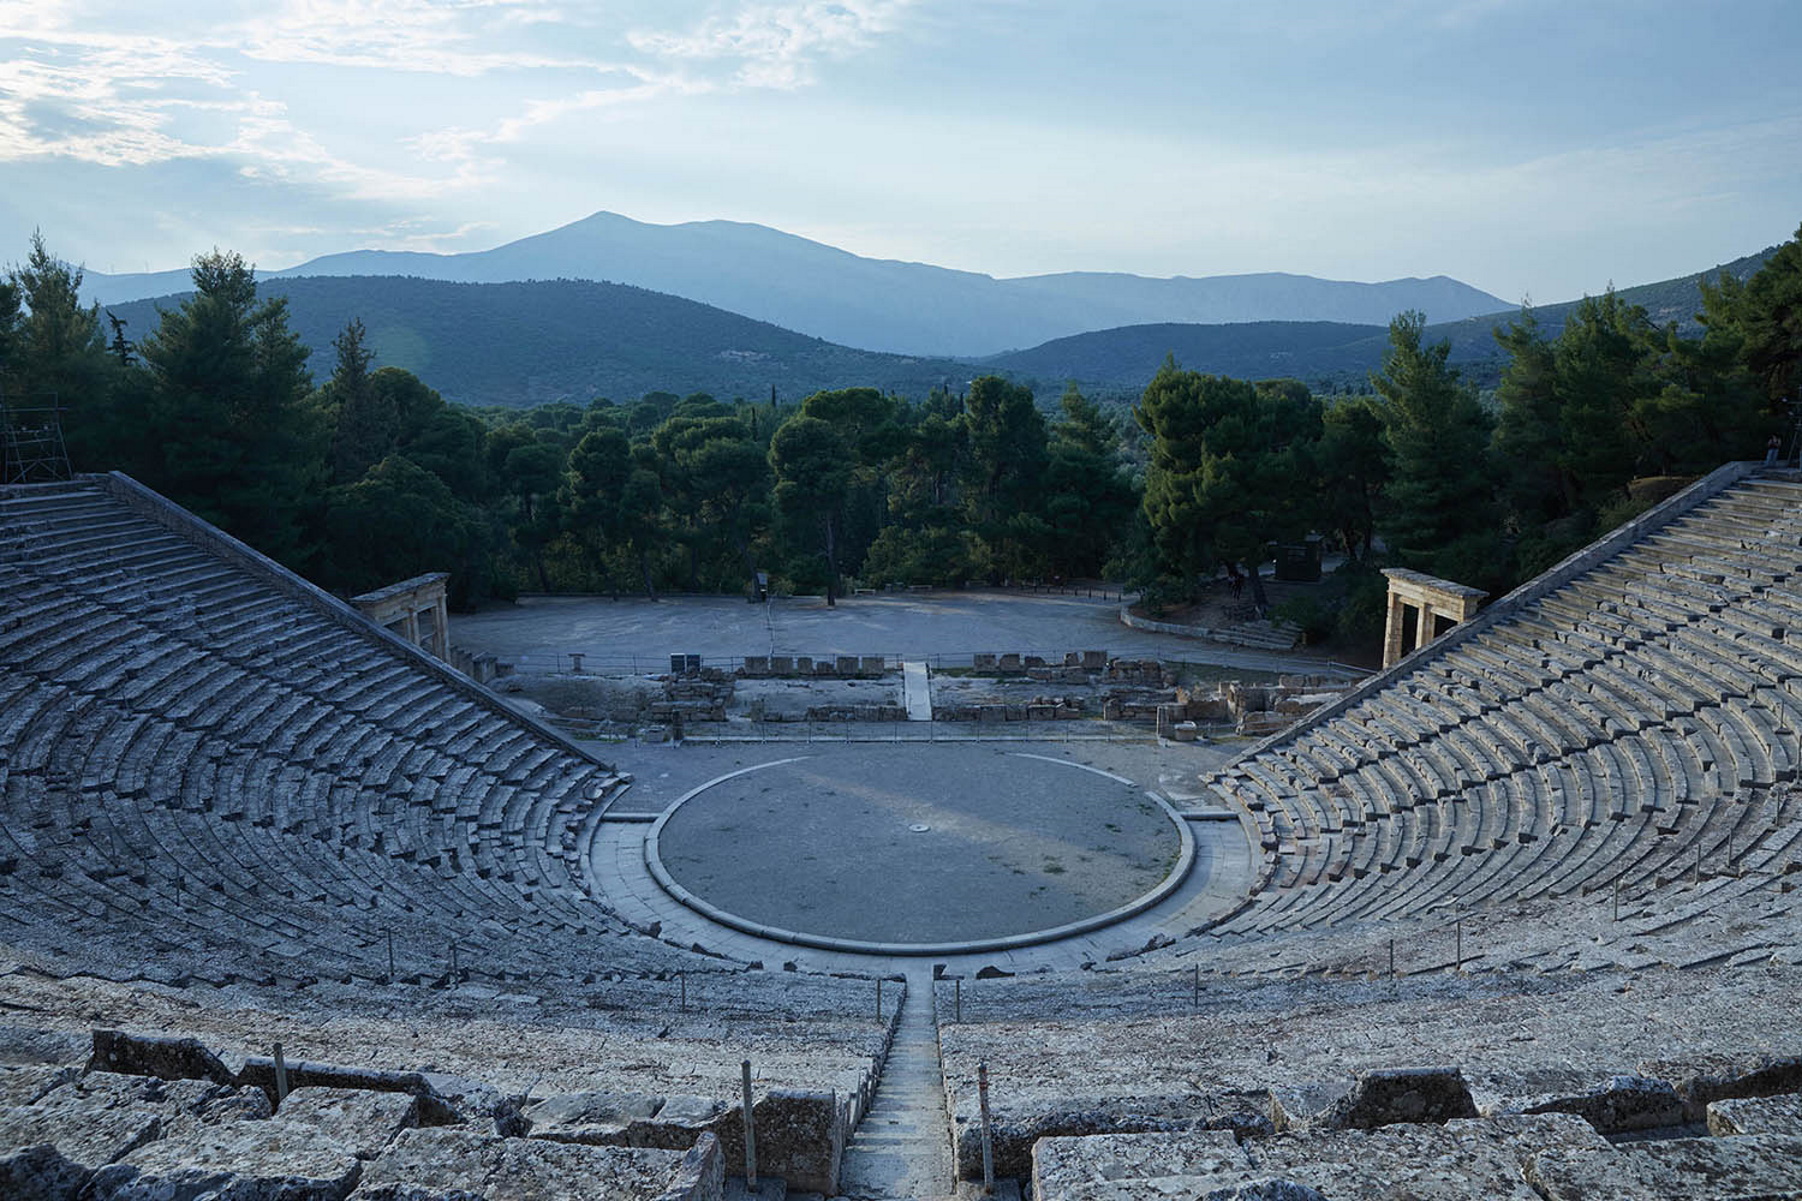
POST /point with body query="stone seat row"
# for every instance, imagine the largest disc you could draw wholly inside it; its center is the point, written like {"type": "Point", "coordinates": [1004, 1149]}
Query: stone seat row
{"type": "Point", "coordinates": [239, 765]}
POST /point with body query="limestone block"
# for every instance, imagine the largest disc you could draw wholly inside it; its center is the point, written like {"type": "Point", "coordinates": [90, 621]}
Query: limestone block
{"type": "Point", "coordinates": [679, 1121]}
{"type": "Point", "coordinates": [361, 1119]}
{"type": "Point", "coordinates": [597, 1119]}
{"type": "Point", "coordinates": [29, 1046]}
{"type": "Point", "coordinates": [150, 1055]}
{"type": "Point", "coordinates": [189, 1104]}
{"type": "Point", "coordinates": [782, 665]}
{"type": "Point", "coordinates": [800, 1137]}
{"type": "Point", "coordinates": [757, 665]}
{"type": "Point", "coordinates": [1761, 1166]}
{"type": "Point", "coordinates": [1094, 660]}
{"type": "Point", "coordinates": [983, 661]}
{"type": "Point", "coordinates": [533, 1169]}
{"type": "Point", "coordinates": [1018, 1130]}
{"type": "Point", "coordinates": [1623, 1103]}
{"type": "Point", "coordinates": [255, 1161]}
{"type": "Point", "coordinates": [1304, 1104]}
{"type": "Point", "coordinates": [1702, 1079]}
{"type": "Point", "coordinates": [871, 665]}
{"type": "Point", "coordinates": [847, 665]}
{"type": "Point", "coordinates": [436, 1108]}
{"type": "Point", "coordinates": [1071, 1166]}
{"type": "Point", "coordinates": [1034, 662]}
{"type": "Point", "coordinates": [1384, 1098]}
{"type": "Point", "coordinates": [1756, 1115]}
{"type": "Point", "coordinates": [40, 1173]}
{"type": "Point", "coordinates": [86, 1137]}
{"type": "Point", "coordinates": [1009, 662]}
{"type": "Point", "coordinates": [439, 1163]}
{"type": "Point", "coordinates": [24, 1085]}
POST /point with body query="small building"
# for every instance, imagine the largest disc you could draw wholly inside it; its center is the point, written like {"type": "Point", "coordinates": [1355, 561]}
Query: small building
{"type": "Point", "coordinates": [1421, 608]}
{"type": "Point", "coordinates": [413, 609]}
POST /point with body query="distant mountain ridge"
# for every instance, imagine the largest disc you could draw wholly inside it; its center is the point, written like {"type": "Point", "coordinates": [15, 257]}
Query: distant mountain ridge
{"type": "Point", "coordinates": [873, 304]}
{"type": "Point", "coordinates": [519, 344]}
{"type": "Point", "coordinates": [1123, 360]}
{"type": "Point", "coordinates": [527, 343]}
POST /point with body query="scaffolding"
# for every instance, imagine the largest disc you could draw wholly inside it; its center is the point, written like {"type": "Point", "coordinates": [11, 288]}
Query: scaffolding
{"type": "Point", "coordinates": [31, 443]}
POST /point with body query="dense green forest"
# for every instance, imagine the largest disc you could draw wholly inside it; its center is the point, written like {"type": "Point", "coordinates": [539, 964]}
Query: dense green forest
{"type": "Point", "coordinates": [367, 475]}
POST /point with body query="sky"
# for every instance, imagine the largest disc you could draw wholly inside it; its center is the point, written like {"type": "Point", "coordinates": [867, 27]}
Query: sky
{"type": "Point", "coordinates": [1538, 149]}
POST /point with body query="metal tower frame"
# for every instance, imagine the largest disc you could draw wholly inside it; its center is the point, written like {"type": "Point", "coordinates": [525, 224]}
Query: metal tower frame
{"type": "Point", "coordinates": [32, 450]}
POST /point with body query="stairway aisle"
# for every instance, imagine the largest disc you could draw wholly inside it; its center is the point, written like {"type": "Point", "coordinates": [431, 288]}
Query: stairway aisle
{"type": "Point", "coordinates": [902, 1148]}
{"type": "Point", "coordinates": [917, 691]}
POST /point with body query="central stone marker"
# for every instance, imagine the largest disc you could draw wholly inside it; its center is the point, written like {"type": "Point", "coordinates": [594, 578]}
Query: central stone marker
{"type": "Point", "coordinates": [917, 847]}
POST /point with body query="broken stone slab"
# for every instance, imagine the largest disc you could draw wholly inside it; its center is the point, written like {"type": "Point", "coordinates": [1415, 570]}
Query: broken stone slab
{"type": "Point", "coordinates": [679, 1121]}
{"type": "Point", "coordinates": [1624, 1103]}
{"type": "Point", "coordinates": [28, 1046]}
{"type": "Point", "coordinates": [24, 1085]}
{"type": "Point", "coordinates": [40, 1173]}
{"type": "Point", "coordinates": [1756, 1115]}
{"type": "Point", "coordinates": [800, 1137]}
{"type": "Point", "coordinates": [1016, 1131]}
{"type": "Point", "coordinates": [595, 1118]}
{"type": "Point", "coordinates": [1680, 1169]}
{"type": "Point", "coordinates": [1702, 1079]}
{"type": "Point", "coordinates": [85, 1139]}
{"type": "Point", "coordinates": [189, 1104]}
{"type": "Point", "coordinates": [453, 1164]}
{"type": "Point", "coordinates": [1069, 1167]}
{"type": "Point", "coordinates": [1384, 1097]}
{"type": "Point", "coordinates": [437, 1163]}
{"type": "Point", "coordinates": [156, 1055]}
{"type": "Point", "coordinates": [1461, 1159]}
{"type": "Point", "coordinates": [362, 1120]}
{"type": "Point", "coordinates": [250, 1160]}
{"type": "Point", "coordinates": [436, 1108]}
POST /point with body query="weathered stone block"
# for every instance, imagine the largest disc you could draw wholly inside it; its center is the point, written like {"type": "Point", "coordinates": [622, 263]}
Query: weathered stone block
{"type": "Point", "coordinates": [1094, 660]}
{"type": "Point", "coordinates": [983, 661]}
{"type": "Point", "coordinates": [597, 1119]}
{"type": "Point", "coordinates": [1623, 1103]}
{"type": "Point", "coordinates": [1677, 1169]}
{"type": "Point", "coordinates": [871, 665]}
{"type": "Point", "coordinates": [757, 665]}
{"type": "Point", "coordinates": [800, 1137]}
{"type": "Point", "coordinates": [1703, 1079]}
{"type": "Point", "coordinates": [1067, 1167]}
{"type": "Point", "coordinates": [252, 1160]}
{"type": "Point", "coordinates": [1384, 1098]}
{"type": "Point", "coordinates": [782, 665]}
{"type": "Point", "coordinates": [445, 1163]}
{"type": "Point", "coordinates": [435, 1108]}
{"type": "Point", "coordinates": [1009, 662]}
{"type": "Point", "coordinates": [150, 1055]}
{"type": "Point", "coordinates": [362, 1120]}
{"type": "Point", "coordinates": [1756, 1115]}
{"type": "Point", "coordinates": [40, 1172]}
{"type": "Point", "coordinates": [847, 665]}
{"type": "Point", "coordinates": [679, 1121]}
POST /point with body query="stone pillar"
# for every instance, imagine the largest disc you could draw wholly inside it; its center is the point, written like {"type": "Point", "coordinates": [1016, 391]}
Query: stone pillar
{"type": "Point", "coordinates": [1429, 598]}
{"type": "Point", "coordinates": [441, 628]}
{"type": "Point", "coordinates": [399, 607]}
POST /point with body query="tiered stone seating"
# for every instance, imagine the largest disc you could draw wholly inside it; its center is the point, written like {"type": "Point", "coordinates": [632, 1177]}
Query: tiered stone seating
{"type": "Point", "coordinates": [1659, 678]}
{"type": "Point", "coordinates": [213, 777]}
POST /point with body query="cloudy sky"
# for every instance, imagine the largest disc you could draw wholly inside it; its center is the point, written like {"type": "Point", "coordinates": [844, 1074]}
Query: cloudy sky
{"type": "Point", "coordinates": [1529, 147]}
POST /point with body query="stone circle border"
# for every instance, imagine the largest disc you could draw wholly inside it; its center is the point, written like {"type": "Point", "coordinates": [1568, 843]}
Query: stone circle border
{"type": "Point", "coordinates": [1185, 862]}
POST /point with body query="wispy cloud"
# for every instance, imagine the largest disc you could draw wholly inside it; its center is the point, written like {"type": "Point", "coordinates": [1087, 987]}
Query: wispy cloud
{"type": "Point", "coordinates": [777, 45]}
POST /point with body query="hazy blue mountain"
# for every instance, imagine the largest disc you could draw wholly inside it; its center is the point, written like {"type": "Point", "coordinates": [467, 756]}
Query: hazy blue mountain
{"type": "Point", "coordinates": [1119, 362]}
{"type": "Point", "coordinates": [875, 304]}
{"type": "Point", "coordinates": [529, 343]}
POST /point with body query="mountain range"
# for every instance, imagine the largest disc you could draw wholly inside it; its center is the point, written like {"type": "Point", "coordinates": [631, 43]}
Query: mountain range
{"type": "Point", "coordinates": [869, 304]}
{"type": "Point", "coordinates": [527, 342]}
